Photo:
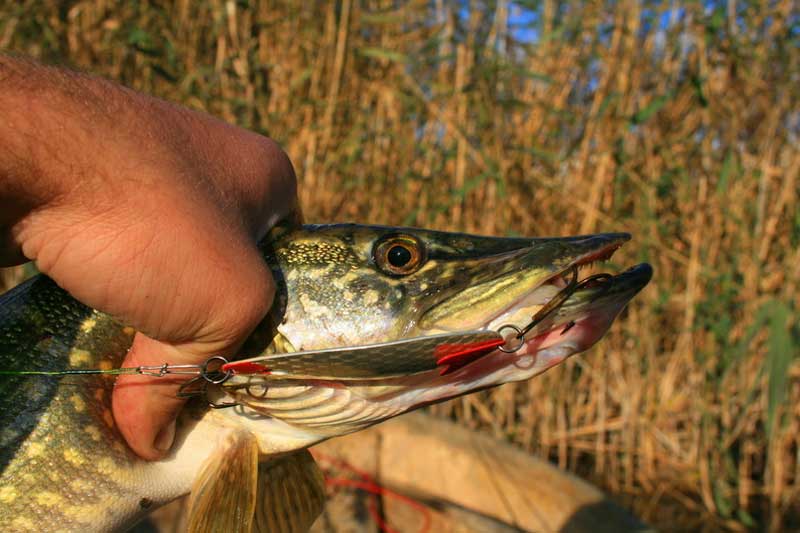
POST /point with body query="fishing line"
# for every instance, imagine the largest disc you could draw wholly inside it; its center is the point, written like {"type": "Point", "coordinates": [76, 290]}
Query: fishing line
{"type": "Point", "coordinates": [209, 370]}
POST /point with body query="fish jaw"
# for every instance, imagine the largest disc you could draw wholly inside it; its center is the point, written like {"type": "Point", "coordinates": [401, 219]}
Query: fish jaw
{"type": "Point", "coordinates": [588, 313]}
{"type": "Point", "coordinates": [582, 320]}
{"type": "Point", "coordinates": [522, 275]}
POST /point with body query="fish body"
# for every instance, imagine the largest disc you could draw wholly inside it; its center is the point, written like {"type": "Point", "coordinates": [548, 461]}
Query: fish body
{"type": "Point", "coordinates": [65, 467]}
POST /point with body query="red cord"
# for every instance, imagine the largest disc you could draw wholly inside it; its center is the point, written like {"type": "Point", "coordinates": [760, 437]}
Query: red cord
{"type": "Point", "coordinates": [368, 485]}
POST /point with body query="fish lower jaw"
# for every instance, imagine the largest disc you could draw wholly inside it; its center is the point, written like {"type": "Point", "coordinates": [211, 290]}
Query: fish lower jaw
{"type": "Point", "coordinates": [552, 348]}
{"type": "Point", "coordinates": [535, 356]}
{"type": "Point", "coordinates": [567, 339]}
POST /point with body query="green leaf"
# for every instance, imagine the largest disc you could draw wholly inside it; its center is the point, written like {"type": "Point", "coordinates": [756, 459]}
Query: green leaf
{"type": "Point", "coordinates": [541, 153]}
{"type": "Point", "coordinates": [651, 109]}
{"type": "Point", "coordinates": [722, 501]}
{"type": "Point", "coordinates": [501, 187]}
{"type": "Point", "coordinates": [779, 357]}
{"type": "Point", "coordinates": [382, 53]}
{"type": "Point", "coordinates": [526, 73]}
{"type": "Point", "coordinates": [716, 22]}
{"type": "Point", "coordinates": [143, 42]}
{"type": "Point", "coordinates": [746, 518]}
{"type": "Point", "coordinates": [300, 78]}
{"type": "Point", "coordinates": [164, 73]}
{"type": "Point", "coordinates": [140, 37]}
{"type": "Point", "coordinates": [411, 217]}
{"type": "Point", "coordinates": [725, 172]}
{"type": "Point", "coordinates": [697, 83]}
{"type": "Point", "coordinates": [610, 98]}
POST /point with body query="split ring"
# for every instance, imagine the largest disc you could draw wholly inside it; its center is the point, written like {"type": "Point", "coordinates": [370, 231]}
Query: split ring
{"type": "Point", "coordinates": [517, 335]}
{"type": "Point", "coordinates": [215, 376]}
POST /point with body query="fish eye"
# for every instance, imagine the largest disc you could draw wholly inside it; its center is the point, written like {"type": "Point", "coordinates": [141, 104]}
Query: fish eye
{"type": "Point", "coordinates": [399, 255]}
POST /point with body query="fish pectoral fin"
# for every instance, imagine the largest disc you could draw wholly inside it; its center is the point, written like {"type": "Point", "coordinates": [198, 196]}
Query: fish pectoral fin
{"type": "Point", "coordinates": [291, 494]}
{"type": "Point", "coordinates": [223, 497]}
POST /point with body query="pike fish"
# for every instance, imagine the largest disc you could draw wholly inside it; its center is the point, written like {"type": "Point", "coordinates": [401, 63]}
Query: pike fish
{"type": "Point", "coordinates": [65, 467]}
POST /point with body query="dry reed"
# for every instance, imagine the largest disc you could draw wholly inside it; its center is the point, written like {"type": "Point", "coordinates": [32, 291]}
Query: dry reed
{"type": "Point", "coordinates": [678, 123]}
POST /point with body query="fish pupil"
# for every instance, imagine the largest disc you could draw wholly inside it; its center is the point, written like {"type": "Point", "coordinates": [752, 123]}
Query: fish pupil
{"type": "Point", "coordinates": [398, 256]}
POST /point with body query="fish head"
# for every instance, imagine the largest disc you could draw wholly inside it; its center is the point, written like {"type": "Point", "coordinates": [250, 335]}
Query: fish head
{"type": "Point", "coordinates": [343, 285]}
{"type": "Point", "coordinates": [349, 285]}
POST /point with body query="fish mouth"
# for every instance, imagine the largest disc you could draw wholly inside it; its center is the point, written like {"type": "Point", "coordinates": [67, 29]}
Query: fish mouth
{"type": "Point", "coordinates": [521, 278]}
{"type": "Point", "coordinates": [579, 322]}
{"type": "Point", "coordinates": [531, 302]}
{"type": "Point", "coordinates": [571, 327]}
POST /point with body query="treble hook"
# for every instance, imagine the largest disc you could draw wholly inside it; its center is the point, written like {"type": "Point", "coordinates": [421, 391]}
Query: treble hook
{"type": "Point", "coordinates": [554, 303]}
{"type": "Point", "coordinates": [210, 374]}
{"type": "Point", "coordinates": [558, 300]}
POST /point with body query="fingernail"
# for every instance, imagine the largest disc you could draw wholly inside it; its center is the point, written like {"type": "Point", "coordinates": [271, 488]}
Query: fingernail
{"type": "Point", "coordinates": [165, 437]}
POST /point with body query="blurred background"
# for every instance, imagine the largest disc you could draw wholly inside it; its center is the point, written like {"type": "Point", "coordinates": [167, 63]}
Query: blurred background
{"type": "Point", "coordinates": [676, 121]}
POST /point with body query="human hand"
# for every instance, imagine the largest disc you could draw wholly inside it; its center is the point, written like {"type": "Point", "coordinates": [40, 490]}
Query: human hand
{"type": "Point", "coordinates": [144, 210]}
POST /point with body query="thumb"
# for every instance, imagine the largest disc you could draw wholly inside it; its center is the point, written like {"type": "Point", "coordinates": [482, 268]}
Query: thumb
{"type": "Point", "coordinates": [145, 407]}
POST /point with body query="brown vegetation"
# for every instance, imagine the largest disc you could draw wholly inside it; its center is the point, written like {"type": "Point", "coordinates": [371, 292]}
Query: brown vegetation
{"type": "Point", "coordinates": [677, 123]}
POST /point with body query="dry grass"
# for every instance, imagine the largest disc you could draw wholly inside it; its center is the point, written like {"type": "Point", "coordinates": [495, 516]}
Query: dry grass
{"type": "Point", "coordinates": [679, 126]}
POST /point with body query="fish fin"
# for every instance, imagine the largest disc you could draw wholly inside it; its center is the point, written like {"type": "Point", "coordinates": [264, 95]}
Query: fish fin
{"type": "Point", "coordinates": [224, 494]}
{"type": "Point", "coordinates": [291, 494]}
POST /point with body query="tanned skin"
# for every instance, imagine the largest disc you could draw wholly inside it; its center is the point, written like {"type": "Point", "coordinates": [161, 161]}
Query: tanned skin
{"type": "Point", "coordinates": [142, 209]}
